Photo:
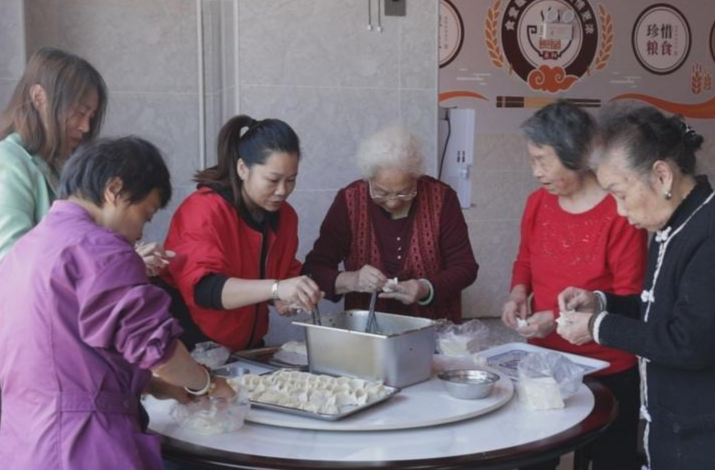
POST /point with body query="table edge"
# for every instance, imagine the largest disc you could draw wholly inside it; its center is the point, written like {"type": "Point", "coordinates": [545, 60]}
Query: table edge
{"type": "Point", "coordinates": [600, 417]}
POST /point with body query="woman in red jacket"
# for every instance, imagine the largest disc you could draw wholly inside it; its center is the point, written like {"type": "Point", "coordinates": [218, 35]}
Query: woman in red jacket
{"type": "Point", "coordinates": [571, 234]}
{"type": "Point", "coordinates": [236, 238]}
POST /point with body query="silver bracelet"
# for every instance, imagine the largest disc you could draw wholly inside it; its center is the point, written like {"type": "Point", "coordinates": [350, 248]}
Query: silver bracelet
{"type": "Point", "coordinates": [600, 302]}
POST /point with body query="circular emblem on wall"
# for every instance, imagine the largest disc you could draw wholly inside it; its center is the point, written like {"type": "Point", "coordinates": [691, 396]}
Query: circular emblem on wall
{"type": "Point", "coordinates": [451, 32]}
{"type": "Point", "coordinates": [661, 39]}
{"type": "Point", "coordinates": [549, 43]}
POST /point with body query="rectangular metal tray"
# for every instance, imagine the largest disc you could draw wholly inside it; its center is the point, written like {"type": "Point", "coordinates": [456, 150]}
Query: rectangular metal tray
{"type": "Point", "coordinates": [506, 357]}
{"type": "Point", "coordinates": [348, 410]}
{"type": "Point", "coordinates": [399, 355]}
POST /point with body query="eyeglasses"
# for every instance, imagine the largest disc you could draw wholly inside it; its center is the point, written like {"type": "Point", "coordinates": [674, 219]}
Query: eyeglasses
{"type": "Point", "coordinates": [384, 197]}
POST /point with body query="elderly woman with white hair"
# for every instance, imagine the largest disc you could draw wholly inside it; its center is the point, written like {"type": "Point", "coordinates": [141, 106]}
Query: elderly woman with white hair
{"type": "Point", "coordinates": [396, 222]}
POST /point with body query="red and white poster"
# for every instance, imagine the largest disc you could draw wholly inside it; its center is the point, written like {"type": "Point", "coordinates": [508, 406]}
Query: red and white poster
{"type": "Point", "coordinates": [509, 57]}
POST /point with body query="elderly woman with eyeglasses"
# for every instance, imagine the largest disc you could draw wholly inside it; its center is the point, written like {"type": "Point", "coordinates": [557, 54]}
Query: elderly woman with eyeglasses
{"type": "Point", "coordinates": [397, 232]}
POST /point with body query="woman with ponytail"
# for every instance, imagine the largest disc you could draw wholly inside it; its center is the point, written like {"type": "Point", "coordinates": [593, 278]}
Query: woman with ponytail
{"type": "Point", "coordinates": [236, 238]}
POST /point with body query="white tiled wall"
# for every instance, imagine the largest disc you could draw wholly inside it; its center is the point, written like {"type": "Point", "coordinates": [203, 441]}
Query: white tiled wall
{"type": "Point", "coordinates": [312, 63]}
{"type": "Point", "coordinates": [147, 52]}
{"type": "Point", "coordinates": [12, 47]}
{"type": "Point", "coordinates": [501, 182]}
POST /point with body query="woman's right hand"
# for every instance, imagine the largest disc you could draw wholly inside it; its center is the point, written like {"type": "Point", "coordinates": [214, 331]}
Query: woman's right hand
{"type": "Point", "coordinates": [221, 388]}
{"type": "Point", "coordinates": [368, 279]}
{"type": "Point", "coordinates": [299, 291]}
{"type": "Point", "coordinates": [515, 307]}
{"type": "Point", "coordinates": [573, 298]}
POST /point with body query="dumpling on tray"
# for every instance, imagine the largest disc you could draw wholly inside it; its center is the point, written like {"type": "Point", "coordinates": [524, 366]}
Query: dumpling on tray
{"type": "Point", "coordinates": [310, 392]}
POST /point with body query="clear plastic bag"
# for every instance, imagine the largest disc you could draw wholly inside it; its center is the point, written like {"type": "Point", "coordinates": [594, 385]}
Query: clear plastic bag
{"type": "Point", "coordinates": [210, 354]}
{"type": "Point", "coordinates": [462, 340]}
{"type": "Point", "coordinates": [293, 352]}
{"type": "Point", "coordinates": [209, 415]}
{"type": "Point", "coordinates": [546, 380]}
{"type": "Point", "coordinates": [440, 362]}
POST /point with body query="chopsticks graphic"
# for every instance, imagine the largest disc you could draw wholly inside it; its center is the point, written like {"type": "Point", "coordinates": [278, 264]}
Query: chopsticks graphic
{"type": "Point", "coordinates": [541, 101]}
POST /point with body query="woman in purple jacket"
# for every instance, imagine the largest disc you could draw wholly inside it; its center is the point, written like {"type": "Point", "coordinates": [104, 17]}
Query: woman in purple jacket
{"type": "Point", "coordinates": [82, 329]}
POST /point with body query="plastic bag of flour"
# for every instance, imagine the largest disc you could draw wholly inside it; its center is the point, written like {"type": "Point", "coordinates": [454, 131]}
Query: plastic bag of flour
{"type": "Point", "coordinates": [462, 340]}
{"type": "Point", "coordinates": [210, 354]}
{"type": "Point", "coordinates": [546, 380]}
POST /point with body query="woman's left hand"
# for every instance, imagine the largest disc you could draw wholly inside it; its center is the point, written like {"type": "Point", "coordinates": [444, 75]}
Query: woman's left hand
{"type": "Point", "coordinates": [155, 257]}
{"type": "Point", "coordinates": [285, 309]}
{"type": "Point", "coordinates": [407, 292]}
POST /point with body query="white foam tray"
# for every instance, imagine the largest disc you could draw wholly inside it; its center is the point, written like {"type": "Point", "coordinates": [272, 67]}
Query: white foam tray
{"type": "Point", "coordinates": [506, 357]}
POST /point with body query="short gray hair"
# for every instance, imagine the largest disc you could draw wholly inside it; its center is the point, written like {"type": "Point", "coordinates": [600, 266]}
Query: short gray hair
{"type": "Point", "coordinates": [568, 129]}
{"type": "Point", "coordinates": [395, 147]}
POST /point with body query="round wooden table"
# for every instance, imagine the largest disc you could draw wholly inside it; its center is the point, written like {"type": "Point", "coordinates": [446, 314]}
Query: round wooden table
{"type": "Point", "coordinates": [507, 438]}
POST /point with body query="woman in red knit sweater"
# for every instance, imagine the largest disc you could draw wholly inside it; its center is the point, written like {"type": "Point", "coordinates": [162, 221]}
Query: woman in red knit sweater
{"type": "Point", "coordinates": [396, 222]}
{"type": "Point", "coordinates": [571, 234]}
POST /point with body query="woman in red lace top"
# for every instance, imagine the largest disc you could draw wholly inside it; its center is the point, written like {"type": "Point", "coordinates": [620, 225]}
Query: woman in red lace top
{"type": "Point", "coordinates": [395, 223]}
{"type": "Point", "coordinates": [571, 234]}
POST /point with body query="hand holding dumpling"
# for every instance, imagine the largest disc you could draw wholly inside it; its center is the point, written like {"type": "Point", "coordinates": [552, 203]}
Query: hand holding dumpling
{"type": "Point", "coordinates": [573, 327]}
{"type": "Point", "coordinates": [573, 298]}
{"type": "Point", "coordinates": [368, 279]}
{"type": "Point", "coordinates": [155, 257]}
{"type": "Point", "coordinates": [538, 325]}
{"type": "Point", "coordinates": [516, 309]}
{"type": "Point", "coordinates": [297, 294]}
{"type": "Point", "coordinates": [408, 292]}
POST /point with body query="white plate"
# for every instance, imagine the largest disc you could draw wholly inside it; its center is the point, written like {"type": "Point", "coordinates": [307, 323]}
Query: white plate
{"type": "Point", "coordinates": [506, 357]}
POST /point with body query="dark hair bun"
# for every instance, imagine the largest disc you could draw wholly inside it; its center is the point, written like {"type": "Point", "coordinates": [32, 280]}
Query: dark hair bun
{"type": "Point", "coordinates": [691, 140]}
{"type": "Point", "coordinates": [648, 135]}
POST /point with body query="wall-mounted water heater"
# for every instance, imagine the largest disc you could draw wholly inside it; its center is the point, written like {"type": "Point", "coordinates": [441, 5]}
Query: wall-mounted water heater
{"type": "Point", "coordinates": [456, 144]}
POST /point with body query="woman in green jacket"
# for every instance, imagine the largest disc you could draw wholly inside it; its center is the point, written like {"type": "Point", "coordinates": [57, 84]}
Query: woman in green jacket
{"type": "Point", "coordinates": [59, 102]}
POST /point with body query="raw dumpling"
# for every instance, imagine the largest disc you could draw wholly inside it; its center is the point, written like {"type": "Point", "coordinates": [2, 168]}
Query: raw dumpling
{"type": "Point", "coordinates": [310, 392]}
